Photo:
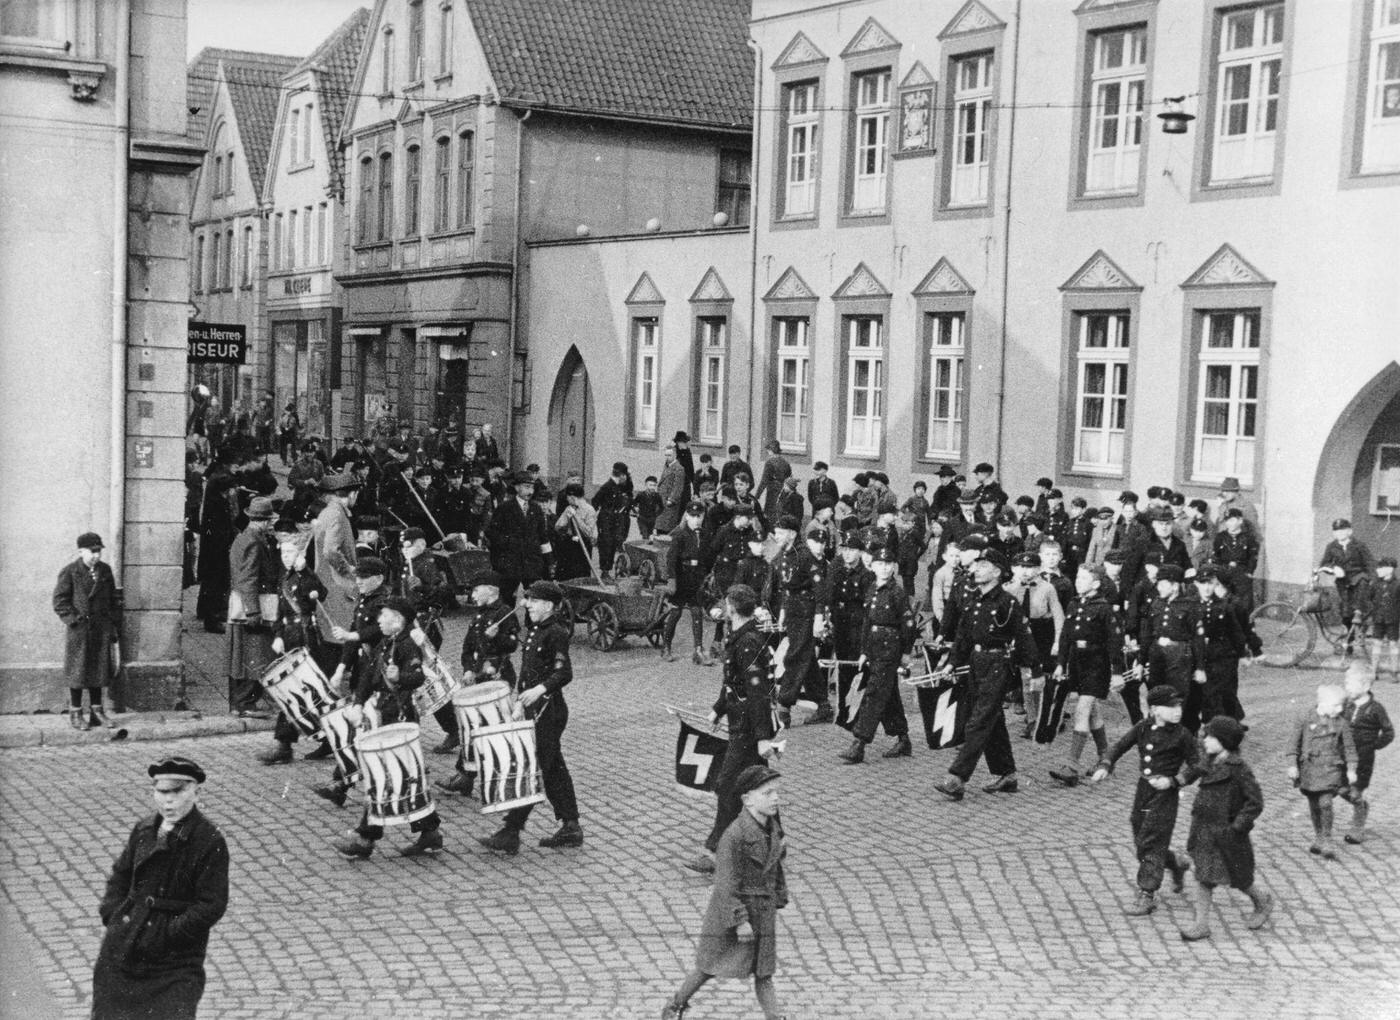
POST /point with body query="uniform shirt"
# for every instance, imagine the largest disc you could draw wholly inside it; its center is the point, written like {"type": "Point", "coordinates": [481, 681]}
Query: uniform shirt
{"type": "Point", "coordinates": [1237, 552]}
{"type": "Point", "coordinates": [365, 625]}
{"type": "Point", "coordinates": [455, 511]}
{"type": "Point", "coordinates": [746, 689]}
{"type": "Point", "coordinates": [843, 595]}
{"type": "Point", "coordinates": [729, 545]}
{"type": "Point", "coordinates": [887, 631]}
{"type": "Point", "coordinates": [1038, 601]}
{"type": "Point", "coordinates": [990, 621]}
{"type": "Point", "coordinates": [1078, 534]}
{"type": "Point", "coordinates": [757, 573]}
{"type": "Point", "coordinates": [395, 698]}
{"type": "Point", "coordinates": [1091, 628]}
{"type": "Point", "coordinates": [1220, 630]}
{"type": "Point", "coordinates": [480, 651]}
{"type": "Point", "coordinates": [1176, 619]}
{"type": "Point", "coordinates": [1164, 749]}
{"type": "Point", "coordinates": [1064, 587]}
{"type": "Point", "coordinates": [296, 609]}
{"type": "Point", "coordinates": [800, 576]}
{"type": "Point", "coordinates": [1382, 600]}
{"type": "Point", "coordinates": [423, 583]}
{"type": "Point", "coordinates": [940, 589]}
{"type": "Point", "coordinates": [544, 660]}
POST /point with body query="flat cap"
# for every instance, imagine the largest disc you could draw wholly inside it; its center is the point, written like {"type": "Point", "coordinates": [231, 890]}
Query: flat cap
{"type": "Point", "coordinates": [754, 777]}
{"type": "Point", "coordinates": [175, 767]}
{"type": "Point", "coordinates": [89, 540]}
{"type": "Point", "coordinates": [1171, 572]}
{"type": "Point", "coordinates": [545, 591]}
{"type": "Point", "coordinates": [1163, 694]}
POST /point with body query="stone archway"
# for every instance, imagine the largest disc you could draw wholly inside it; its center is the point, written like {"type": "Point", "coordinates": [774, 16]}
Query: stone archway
{"type": "Point", "coordinates": [1342, 487]}
{"type": "Point", "coordinates": [571, 419]}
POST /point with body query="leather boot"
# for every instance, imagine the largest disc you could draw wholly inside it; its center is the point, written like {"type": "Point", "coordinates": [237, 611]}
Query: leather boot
{"type": "Point", "coordinates": [1065, 775]}
{"type": "Point", "coordinates": [77, 720]}
{"type": "Point", "coordinates": [1263, 908]}
{"type": "Point", "coordinates": [461, 782]}
{"type": "Point", "coordinates": [952, 788]}
{"type": "Point", "coordinates": [1003, 784]}
{"type": "Point", "coordinates": [824, 714]}
{"type": "Point", "coordinates": [673, 1010]}
{"type": "Point", "coordinates": [505, 841]}
{"type": "Point", "coordinates": [279, 753]}
{"type": "Point", "coordinates": [855, 754]}
{"type": "Point", "coordinates": [1178, 866]}
{"type": "Point", "coordinates": [1359, 811]}
{"type": "Point", "coordinates": [427, 843]}
{"type": "Point", "coordinates": [700, 658]}
{"type": "Point", "coordinates": [1200, 927]}
{"type": "Point", "coordinates": [901, 749]}
{"type": "Point", "coordinates": [1143, 904]}
{"type": "Point", "coordinates": [97, 716]}
{"type": "Point", "coordinates": [321, 750]}
{"type": "Point", "coordinates": [570, 834]}
{"type": "Point", "coordinates": [449, 745]}
{"type": "Point", "coordinates": [333, 792]}
{"type": "Point", "coordinates": [666, 654]}
{"type": "Point", "coordinates": [354, 847]}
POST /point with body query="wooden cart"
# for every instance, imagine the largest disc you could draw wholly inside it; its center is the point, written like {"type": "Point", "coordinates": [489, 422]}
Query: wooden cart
{"type": "Point", "coordinates": [461, 561]}
{"type": "Point", "coordinates": [613, 609]}
{"type": "Point", "coordinates": [647, 559]}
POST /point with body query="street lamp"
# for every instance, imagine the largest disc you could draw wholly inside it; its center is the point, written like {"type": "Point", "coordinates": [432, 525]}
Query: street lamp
{"type": "Point", "coordinates": [1174, 119]}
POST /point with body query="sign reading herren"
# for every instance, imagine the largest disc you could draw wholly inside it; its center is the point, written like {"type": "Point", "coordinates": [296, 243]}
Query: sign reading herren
{"type": "Point", "coordinates": [218, 343]}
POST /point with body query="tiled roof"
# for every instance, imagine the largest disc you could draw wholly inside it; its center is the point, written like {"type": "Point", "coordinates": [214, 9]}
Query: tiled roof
{"type": "Point", "coordinates": [681, 61]}
{"type": "Point", "coordinates": [199, 88]}
{"type": "Point", "coordinates": [255, 88]}
{"type": "Point", "coordinates": [333, 63]}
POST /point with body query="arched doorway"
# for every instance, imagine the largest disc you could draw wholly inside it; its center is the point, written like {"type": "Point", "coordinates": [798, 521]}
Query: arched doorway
{"type": "Point", "coordinates": [1360, 466]}
{"type": "Point", "coordinates": [571, 420]}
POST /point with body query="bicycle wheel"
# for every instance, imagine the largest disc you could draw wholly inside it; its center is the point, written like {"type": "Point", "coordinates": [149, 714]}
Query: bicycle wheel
{"type": "Point", "coordinates": [1287, 634]}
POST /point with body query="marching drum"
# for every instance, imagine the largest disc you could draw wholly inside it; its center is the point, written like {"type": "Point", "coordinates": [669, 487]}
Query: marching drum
{"type": "Point", "coordinates": [486, 704]}
{"type": "Point", "coordinates": [510, 770]}
{"type": "Point", "coordinates": [343, 737]}
{"type": "Point", "coordinates": [437, 689]}
{"type": "Point", "coordinates": [300, 690]}
{"type": "Point", "coordinates": [394, 775]}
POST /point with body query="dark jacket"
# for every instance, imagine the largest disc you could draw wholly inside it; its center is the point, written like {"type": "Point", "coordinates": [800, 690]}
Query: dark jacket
{"type": "Point", "coordinates": [296, 610]}
{"type": "Point", "coordinates": [86, 601]}
{"type": "Point", "coordinates": [685, 564]}
{"type": "Point", "coordinates": [1355, 560]}
{"type": "Point", "coordinates": [1227, 805]}
{"type": "Point", "coordinates": [746, 693]}
{"type": "Point", "coordinates": [515, 536]}
{"type": "Point", "coordinates": [162, 899]}
{"type": "Point", "coordinates": [544, 660]}
{"type": "Point", "coordinates": [1370, 727]}
{"type": "Point", "coordinates": [485, 655]}
{"type": "Point", "coordinates": [395, 702]}
{"type": "Point", "coordinates": [822, 492]}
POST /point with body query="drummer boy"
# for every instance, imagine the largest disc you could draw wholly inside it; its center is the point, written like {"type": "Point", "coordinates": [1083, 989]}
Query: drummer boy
{"type": "Point", "coordinates": [395, 673]}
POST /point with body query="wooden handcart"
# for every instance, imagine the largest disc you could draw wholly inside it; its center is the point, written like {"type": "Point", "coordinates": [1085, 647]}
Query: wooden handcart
{"type": "Point", "coordinates": [614, 609]}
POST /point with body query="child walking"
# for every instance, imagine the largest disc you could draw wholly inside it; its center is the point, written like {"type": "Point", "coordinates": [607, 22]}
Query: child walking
{"type": "Point", "coordinates": [1371, 730]}
{"type": "Point", "coordinates": [1324, 763]}
{"type": "Point", "coordinates": [1227, 805]}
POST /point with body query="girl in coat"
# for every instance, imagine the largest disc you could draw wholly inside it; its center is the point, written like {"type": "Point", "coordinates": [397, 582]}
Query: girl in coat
{"type": "Point", "coordinates": [738, 934]}
{"type": "Point", "coordinates": [1324, 763]}
{"type": "Point", "coordinates": [1226, 808]}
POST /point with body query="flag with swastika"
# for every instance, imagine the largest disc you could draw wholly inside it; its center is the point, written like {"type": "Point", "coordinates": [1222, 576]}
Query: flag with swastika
{"type": "Point", "coordinates": [699, 757]}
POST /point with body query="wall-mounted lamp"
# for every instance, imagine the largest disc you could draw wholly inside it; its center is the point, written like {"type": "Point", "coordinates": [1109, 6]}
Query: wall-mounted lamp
{"type": "Point", "coordinates": [1174, 119]}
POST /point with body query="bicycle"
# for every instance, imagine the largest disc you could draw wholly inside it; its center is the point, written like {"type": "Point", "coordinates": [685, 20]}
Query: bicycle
{"type": "Point", "coordinates": [1289, 628]}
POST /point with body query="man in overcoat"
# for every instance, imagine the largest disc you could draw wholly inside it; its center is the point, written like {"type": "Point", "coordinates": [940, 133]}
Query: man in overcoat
{"type": "Point", "coordinates": [519, 539]}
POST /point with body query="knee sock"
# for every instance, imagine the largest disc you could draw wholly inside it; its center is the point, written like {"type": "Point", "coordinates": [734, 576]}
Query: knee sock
{"type": "Point", "coordinates": [697, 628]}
{"type": "Point", "coordinates": [75, 697]}
{"type": "Point", "coordinates": [1100, 740]}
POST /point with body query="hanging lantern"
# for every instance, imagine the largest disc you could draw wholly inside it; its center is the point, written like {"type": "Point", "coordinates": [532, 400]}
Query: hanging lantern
{"type": "Point", "coordinates": [1174, 119]}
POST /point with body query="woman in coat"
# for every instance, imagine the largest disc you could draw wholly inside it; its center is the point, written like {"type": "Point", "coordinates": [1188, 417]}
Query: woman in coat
{"type": "Point", "coordinates": [739, 932]}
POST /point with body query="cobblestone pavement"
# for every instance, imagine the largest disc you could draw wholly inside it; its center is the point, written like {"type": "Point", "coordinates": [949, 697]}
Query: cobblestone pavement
{"type": "Point", "coordinates": [903, 905]}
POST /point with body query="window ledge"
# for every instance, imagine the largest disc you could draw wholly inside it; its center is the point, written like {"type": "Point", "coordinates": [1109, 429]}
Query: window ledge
{"type": "Point", "coordinates": [1095, 472]}
{"type": "Point", "coordinates": [442, 235]}
{"type": "Point", "coordinates": [799, 217]}
{"type": "Point", "coordinates": [445, 78]}
{"type": "Point", "coordinates": [964, 206]}
{"type": "Point", "coordinates": [299, 167]}
{"type": "Point", "coordinates": [84, 76]}
{"type": "Point", "coordinates": [1101, 195]}
{"type": "Point", "coordinates": [373, 245]}
{"type": "Point", "coordinates": [1239, 182]}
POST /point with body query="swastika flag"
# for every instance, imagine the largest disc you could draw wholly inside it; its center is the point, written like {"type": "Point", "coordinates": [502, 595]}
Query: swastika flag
{"type": "Point", "coordinates": [699, 756]}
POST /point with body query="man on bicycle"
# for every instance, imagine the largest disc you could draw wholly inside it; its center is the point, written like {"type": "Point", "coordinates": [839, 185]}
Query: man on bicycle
{"type": "Point", "coordinates": [1352, 564]}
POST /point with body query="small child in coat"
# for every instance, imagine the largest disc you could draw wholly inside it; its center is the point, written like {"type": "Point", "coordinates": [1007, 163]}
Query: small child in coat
{"type": "Point", "coordinates": [1383, 608]}
{"type": "Point", "coordinates": [1371, 730]}
{"type": "Point", "coordinates": [648, 505]}
{"type": "Point", "coordinates": [1227, 806]}
{"type": "Point", "coordinates": [1324, 764]}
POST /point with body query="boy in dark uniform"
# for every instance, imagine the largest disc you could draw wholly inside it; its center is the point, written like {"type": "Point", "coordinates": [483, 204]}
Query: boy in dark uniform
{"type": "Point", "coordinates": [746, 703]}
{"type": "Point", "coordinates": [723, 553]}
{"type": "Point", "coordinates": [1169, 637]}
{"type": "Point", "coordinates": [397, 671]}
{"type": "Point", "coordinates": [842, 602]}
{"type": "Point", "coordinates": [1223, 645]}
{"type": "Point", "coordinates": [799, 572]}
{"type": "Point", "coordinates": [648, 506]}
{"type": "Point", "coordinates": [886, 636]}
{"type": "Point", "coordinates": [295, 627]}
{"type": "Point", "coordinates": [423, 583]}
{"type": "Point", "coordinates": [545, 670]}
{"type": "Point", "coordinates": [1169, 759]}
{"type": "Point", "coordinates": [685, 573]}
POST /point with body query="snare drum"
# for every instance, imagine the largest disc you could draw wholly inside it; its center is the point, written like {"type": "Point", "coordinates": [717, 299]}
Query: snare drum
{"type": "Point", "coordinates": [486, 704]}
{"type": "Point", "coordinates": [343, 737]}
{"type": "Point", "coordinates": [394, 775]}
{"type": "Point", "coordinates": [300, 690]}
{"type": "Point", "coordinates": [510, 769]}
{"type": "Point", "coordinates": [438, 687]}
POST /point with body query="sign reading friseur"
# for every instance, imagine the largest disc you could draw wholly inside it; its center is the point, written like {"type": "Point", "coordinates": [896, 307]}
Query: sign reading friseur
{"type": "Point", "coordinates": [217, 343]}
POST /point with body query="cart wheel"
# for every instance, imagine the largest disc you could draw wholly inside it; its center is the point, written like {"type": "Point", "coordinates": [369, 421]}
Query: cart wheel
{"type": "Point", "coordinates": [646, 570]}
{"type": "Point", "coordinates": [603, 626]}
{"type": "Point", "coordinates": [566, 614]}
{"type": "Point", "coordinates": [622, 565]}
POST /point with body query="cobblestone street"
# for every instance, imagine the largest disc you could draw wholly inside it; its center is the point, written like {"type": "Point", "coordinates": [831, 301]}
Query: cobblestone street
{"type": "Point", "coordinates": [903, 905]}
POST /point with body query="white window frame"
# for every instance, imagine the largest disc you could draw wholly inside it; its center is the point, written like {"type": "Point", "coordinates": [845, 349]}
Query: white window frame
{"type": "Point", "coordinates": [1380, 152]}
{"type": "Point", "coordinates": [386, 62]}
{"type": "Point", "coordinates": [1240, 362]}
{"type": "Point", "coordinates": [803, 125]}
{"type": "Point", "coordinates": [1248, 155]}
{"type": "Point", "coordinates": [308, 132]}
{"type": "Point", "coordinates": [792, 340]}
{"type": "Point", "coordinates": [1111, 399]}
{"type": "Point", "coordinates": [294, 136]}
{"type": "Point", "coordinates": [1116, 106]}
{"type": "Point", "coordinates": [870, 148]}
{"type": "Point", "coordinates": [865, 354]}
{"type": "Point", "coordinates": [947, 358]}
{"type": "Point", "coordinates": [646, 375]}
{"type": "Point", "coordinates": [714, 349]}
{"type": "Point", "coordinates": [973, 86]}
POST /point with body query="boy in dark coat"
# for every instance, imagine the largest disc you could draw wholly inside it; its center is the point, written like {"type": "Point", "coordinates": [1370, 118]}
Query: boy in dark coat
{"type": "Point", "coordinates": [1371, 730]}
{"type": "Point", "coordinates": [1324, 763]}
{"type": "Point", "coordinates": [1227, 805]}
{"type": "Point", "coordinates": [647, 507]}
{"type": "Point", "coordinates": [85, 599]}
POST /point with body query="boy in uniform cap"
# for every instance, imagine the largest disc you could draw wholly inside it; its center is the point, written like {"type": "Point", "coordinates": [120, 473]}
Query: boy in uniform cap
{"type": "Point", "coordinates": [1089, 658]}
{"type": "Point", "coordinates": [1044, 486]}
{"type": "Point", "coordinates": [821, 490]}
{"type": "Point", "coordinates": [429, 591]}
{"type": "Point", "coordinates": [545, 670]}
{"type": "Point", "coordinates": [1236, 552]}
{"type": "Point", "coordinates": [1382, 607]}
{"type": "Point", "coordinates": [841, 601]}
{"type": "Point", "coordinates": [685, 573]}
{"type": "Point", "coordinates": [396, 672]}
{"type": "Point", "coordinates": [726, 547]}
{"type": "Point", "coordinates": [886, 636]}
{"type": "Point", "coordinates": [991, 638]}
{"type": "Point", "coordinates": [1223, 645]}
{"type": "Point", "coordinates": [1169, 758]}
{"type": "Point", "coordinates": [85, 599]}
{"type": "Point", "coordinates": [799, 572]}
{"type": "Point", "coordinates": [1226, 808]}
{"type": "Point", "coordinates": [1040, 605]}
{"type": "Point", "coordinates": [1352, 564]}
{"type": "Point", "coordinates": [492, 635]}
{"type": "Point", "coordinates": [298, 593]}
{"type": "Point", "coordinates": [167, 890]}
{"type": "Point", "coordinates": [1169, 636]}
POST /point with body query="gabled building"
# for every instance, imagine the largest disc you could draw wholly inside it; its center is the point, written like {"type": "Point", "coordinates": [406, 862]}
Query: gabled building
{"type": "Point", "coordinates": [303, 195]}
{"type": "Point", "coordinates": [237, 96]}
{"type": "Point", "coordinates": [482, 126]}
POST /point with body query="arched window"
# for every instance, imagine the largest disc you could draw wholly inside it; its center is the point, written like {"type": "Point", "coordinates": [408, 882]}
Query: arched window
{"type": "Point", "coordinates": [442, 186]}
{"type": "Point", "coordinates": [365, 211]}
{"type": "Point", "coordinates": [386, 197]}
{"type": "Point", "coordinates": [466, 161]}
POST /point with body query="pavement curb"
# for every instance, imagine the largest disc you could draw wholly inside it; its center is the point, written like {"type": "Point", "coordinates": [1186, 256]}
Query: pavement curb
{"type": "Point", "coordinates": [53, 731]}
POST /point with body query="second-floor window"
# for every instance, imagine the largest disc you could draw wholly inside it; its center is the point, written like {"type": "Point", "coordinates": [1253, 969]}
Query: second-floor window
{"type": "Point", "coordinates": [1381, 123]}
{"type": "Point", "coordinates": [364, 214]}
{"type": "Point", "coordinates": [1115, 140]}
{"type": "Point", "coordinates": [872, 124]}
{"type": "Point", "coordinates": [1101, 386]}
{"type": "Point", "coordinates": [199, 264]}
{"type": "Point", "coordinates": [445, 38]}
{"type": "Point", "coordinates": [323, 234]}
{"type": "Point", "coordinates": [294, 137]}
{"type": "Point", "coordinates": [713, 346]}
{"type": "Point", "coordinates": [291, 262]}
{"type": "Point", "coordinates": [442, 184]}
{"type": "Point", "coordinates": [246, 280]}
{"type": "Point", "coordinates": [384, 213]}
{"type": "Point", "coordinates": [412, 190]}
{"type": "Point", "coordinates": [1249, 71]}
{"type": "Point", "coordinates": [734, 186]}
{"type": "Point", "coordinates": [216, 271]}
{"type": "Point", "coordinates": [308, 118]}
{"type": "Point", "coordinates": [645, 377]}
{"type": "Point", "coordinates": [218, 176]}
{"type": "Point", "coordinates": [972, 111]}
{"type": "Point", "coordinates": [1227, 395]}
{"type": "Point", "coordinates": [466, 157]}
{"type": "Point", "coordinates": [800, 173]}
{"type": "Point", "coordinates": [227, 280]}
{"type": "Point", "coordinates": [386, 63]}
{"type": "Point", "coordinates": [275, 249]}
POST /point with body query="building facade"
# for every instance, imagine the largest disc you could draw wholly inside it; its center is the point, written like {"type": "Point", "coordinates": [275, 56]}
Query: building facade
{"type": "Point", "coordinates": [303, 194]}
{"type": "Point", "coordinates": [94, 301]}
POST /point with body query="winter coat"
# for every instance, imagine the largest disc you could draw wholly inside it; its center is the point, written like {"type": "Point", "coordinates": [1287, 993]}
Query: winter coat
{"type": "Point", "coordinates": [1227, 805]}
{"type": "Point", "coordinates": [86, 600]}
{"type": "Point", "coordinates": [749, 886]}
{"type": "Point", "coordinates": [1323, 749]}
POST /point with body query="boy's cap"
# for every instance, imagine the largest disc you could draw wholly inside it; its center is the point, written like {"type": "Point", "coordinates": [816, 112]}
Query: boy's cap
{"type": "Point", "coordinates": [1171, 572]}
{"type": "Point", "coordinates": [1226, 730]}
{"type": "Point", "coordinates": [983, 469]}
{"type": "Point", "coordinates": [1340, 523]}
{"type": "Point", "coordinates": [1163, 694]}
{"type": "Point", "coordinates": [1234, 513]}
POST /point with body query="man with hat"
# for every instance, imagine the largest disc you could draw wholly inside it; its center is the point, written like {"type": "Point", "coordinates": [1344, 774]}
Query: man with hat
{"type": "Point", "coordinates": [886, 636]}
{"type": "Point", "coordinates": [821, 489]}
{"type": "Point", "coordinates": [1229, 498]}
{"type": "Point", "coordinates": [943, 501]}
{"type": "Point", "coordinates": [395, 672]}
{"type": "Point", "coordinates": [253, 573]}
{"type": "Point", "coordinates": [1044, 487]}
{"type": "Point", "coordinates": [333, 549]}
{"type": "Point", "coordinates": [1169, 758]}
{"type": "Point", "coordinates": [1352, 564]}
{"type": "Point", "coordinates": [957, 526]}
{"type": "Point", "coordinates": [734, 464]}
{"type": "Point", "coordinates": [1223, 645]}
{"type": "Point", "coordinates": [85, 599]}
{"type": "Point", "coordinates": [518, 536]}
{"type": "Point", "coordinates": [613, 502]}
{"type": "Point", "coordinates": [1169, 636]}
{"type": "Point", "coordinates": [799, 571]}
{"type": "Point", "coordinates": [1236, 553]}
{"type": "Point", "coordinates": [685, 576]}
{"type": "Point", "coordinates": [674, 489]}
{"type": "Point", "coordinates": [841, 601]}
{"type": "Point", "coordinates": [417, 504]}
{"type": "Point", "coordinates": [991, 497]}
{"type": "Point", "coordinates": [776, 471]}
{"type": "Point", "coordinates": [1165, 540]}
{"type": "Point", "coordinates": [991, 638]}
{"type": "Point", "coordinates": [455, 505]}
{"type": "Point", "coordinates": [167, 890]}
{"type": "Point", "coordinates": [545, 670]}
{"type": "Point", "coordinates": [492, 635]}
